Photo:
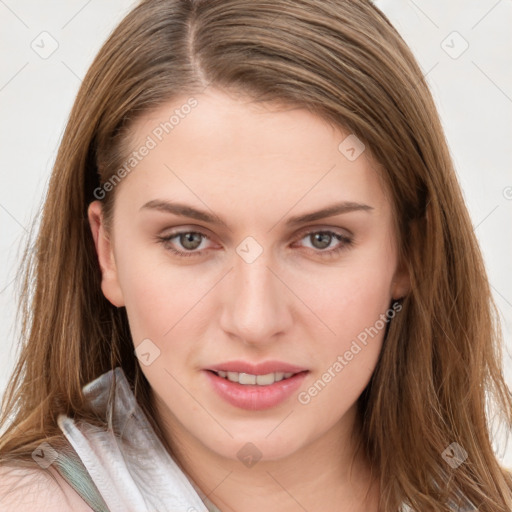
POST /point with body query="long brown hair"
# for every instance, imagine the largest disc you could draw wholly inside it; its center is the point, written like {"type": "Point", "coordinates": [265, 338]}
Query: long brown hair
{"type": "Point", "coordinates": [440, 365]}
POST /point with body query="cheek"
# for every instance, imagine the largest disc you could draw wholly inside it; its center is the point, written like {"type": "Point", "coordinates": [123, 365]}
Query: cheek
{"type": "Point", "coordinates": [348, 299]}
{"type": "Point", "coordinates": [164, 301]}
{"type": "Point", "coordinates": [353, 303]}
{"type": "Point", "coordinates": [154, 292]}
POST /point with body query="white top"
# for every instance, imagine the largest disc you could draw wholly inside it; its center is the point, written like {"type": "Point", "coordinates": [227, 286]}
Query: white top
{"type": "Point", "coordinates": [132, 470]}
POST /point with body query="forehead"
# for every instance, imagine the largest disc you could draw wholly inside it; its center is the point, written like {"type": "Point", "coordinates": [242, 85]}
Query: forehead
{"type": "Point", "coordinates": [214, 144]}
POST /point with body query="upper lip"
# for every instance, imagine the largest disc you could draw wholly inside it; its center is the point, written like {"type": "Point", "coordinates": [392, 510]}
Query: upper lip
{"type": "Point", "coordinates": [257, 369]}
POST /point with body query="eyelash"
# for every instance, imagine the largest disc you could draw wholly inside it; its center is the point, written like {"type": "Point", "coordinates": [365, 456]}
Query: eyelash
{"type": "Point", "coordinates": [346, 243]}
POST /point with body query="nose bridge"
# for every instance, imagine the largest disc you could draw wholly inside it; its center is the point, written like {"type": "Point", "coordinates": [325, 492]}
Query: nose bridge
{"type": "Point", "coordinates": [256, 306]}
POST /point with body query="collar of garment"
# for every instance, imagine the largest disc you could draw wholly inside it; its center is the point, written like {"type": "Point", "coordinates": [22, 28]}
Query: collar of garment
{"type": "Point", "coordinates": [127, 462]}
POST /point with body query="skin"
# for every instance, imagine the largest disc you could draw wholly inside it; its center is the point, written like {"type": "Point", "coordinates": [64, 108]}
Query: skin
{"type": "Point", "coordinates": [255, 166]}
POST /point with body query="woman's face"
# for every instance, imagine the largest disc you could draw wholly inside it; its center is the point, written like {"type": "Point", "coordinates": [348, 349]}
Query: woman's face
{"type": "Point", "coordinates": [233, 275]}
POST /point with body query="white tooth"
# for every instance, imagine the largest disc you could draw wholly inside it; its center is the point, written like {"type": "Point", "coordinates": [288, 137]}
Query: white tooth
{"type": "Point", "coordinates": [265, 380]}
{"type": "Point", "coordinates": [250, 379]}
{"type": "Point", "coordinates": [246, 378]}
{"type": "Point", "coordinates": [233, 376]}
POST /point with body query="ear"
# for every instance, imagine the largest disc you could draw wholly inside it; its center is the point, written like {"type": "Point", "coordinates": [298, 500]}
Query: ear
{"type": "Point", "coordinates": [401, 283]}
{"type": "Point", "coordinates": [109, 277]}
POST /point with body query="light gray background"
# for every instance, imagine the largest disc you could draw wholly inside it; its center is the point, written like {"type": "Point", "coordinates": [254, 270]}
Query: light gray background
{"type": "Point", "coordinates": [472, 89]}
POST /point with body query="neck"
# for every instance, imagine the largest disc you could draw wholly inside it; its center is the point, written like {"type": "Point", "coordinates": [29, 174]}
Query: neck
{"type": "Point", "coordinates": [327, 473]}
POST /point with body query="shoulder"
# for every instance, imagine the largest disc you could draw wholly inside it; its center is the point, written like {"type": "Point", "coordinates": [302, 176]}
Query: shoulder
{"type": "Point", "coordinates": [27, 489]}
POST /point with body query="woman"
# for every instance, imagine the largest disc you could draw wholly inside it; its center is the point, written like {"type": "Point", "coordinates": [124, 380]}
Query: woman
{"type": "Point", "coordinates": [256, 284]}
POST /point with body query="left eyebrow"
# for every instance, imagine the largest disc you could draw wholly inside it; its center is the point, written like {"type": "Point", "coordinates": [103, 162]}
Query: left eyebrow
{"type": "Point", "coordinates": [329, 211]}
{"type": "Point", "coordinates": [189, 211]}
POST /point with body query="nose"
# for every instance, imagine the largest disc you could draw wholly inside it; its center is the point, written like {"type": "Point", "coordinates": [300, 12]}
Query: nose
{"type": "Point", "coordinates": [257, 304]}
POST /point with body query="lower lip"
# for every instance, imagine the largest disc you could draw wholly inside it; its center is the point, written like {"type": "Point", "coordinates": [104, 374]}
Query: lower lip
{"type": "Point", "coordinates": [254, 397]}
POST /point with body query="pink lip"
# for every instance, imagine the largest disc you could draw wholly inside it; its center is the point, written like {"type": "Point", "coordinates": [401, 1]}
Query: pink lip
{"type": "Point", "coordinates": [256, 369]}
{"type": "Point", "coordinates": [254, 397]}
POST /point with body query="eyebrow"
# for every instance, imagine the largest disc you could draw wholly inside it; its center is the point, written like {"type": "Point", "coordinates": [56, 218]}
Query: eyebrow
{"type": "Point", "coordinates": [185, 210]}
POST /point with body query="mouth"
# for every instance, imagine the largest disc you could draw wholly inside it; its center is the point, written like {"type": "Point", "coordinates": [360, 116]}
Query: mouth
{"type": "Point", "coordinates": [255, 391]}
{"type": "Point", "coordinates": [248, 379]}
